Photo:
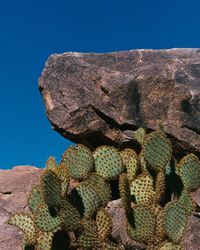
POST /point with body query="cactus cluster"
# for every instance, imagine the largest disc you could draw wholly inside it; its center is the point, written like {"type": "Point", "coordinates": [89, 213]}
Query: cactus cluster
{"type": "Point", "coordinates": [157, 210]}
{"type": "Point", "coordinates": [79, 211]}
{"type": "Point", "coordinates": [158, 200]}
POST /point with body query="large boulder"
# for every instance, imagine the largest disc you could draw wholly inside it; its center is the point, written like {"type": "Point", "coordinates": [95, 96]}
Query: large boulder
{"type": "Point", "coordinates": [98, 99]}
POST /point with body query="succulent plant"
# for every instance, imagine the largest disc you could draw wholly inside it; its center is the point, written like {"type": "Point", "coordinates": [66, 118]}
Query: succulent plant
{"type": "Point", "coordinates": [35, 199]}
{"type": "Point", "coordinates": [46, 219]}
{"type": "Point", "coordinates": [160, 186]}
{"type": "Point", "coordinates": [142, 188]}
{"type": "Point", "coordinates": [189, 171]}
{"type": "Point", "coordinates": [51, 164]}
{"type": "Point", "coordinates": [79, 161]}
{"type": "Point", "coordinates": [144, 224]}
{"type": "Point", "coordinates": [51, 188]}
{"type": "Point", "coordinates": [186, 200]}
{"type": "Point", "coordinates": [157, 150]}
{"type": "Point", "coordinates": [139, 135]}
{"type": "Point", "coordinates": [108, 162]}
{"type": "Point", "coordinates": [175, 220]}
{"type": "Point", "coordinates": [125, 194]}
{"type": "Point", "coordinates": [25, 223]}
{"type": "Point", "coordinates": [167, 245]}
{"type": "Point", "coordinates": [88, 197]}
{"type": "Point", "coordinates": [156, 214]}
{"type": "Point", "coordinates": [104, 224]}
{"type": "Point", "coordinates": [70, 218]}
{"type": "Point", "coordinates": [130, 162]}
{"type": "Point", "coordinates": [102, 188]}
{"type": "Point", "coordinates": [44, 240]}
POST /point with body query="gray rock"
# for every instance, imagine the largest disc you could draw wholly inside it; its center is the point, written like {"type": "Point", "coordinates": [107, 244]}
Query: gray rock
{"type": "Point", "coordinates": [98, 99]}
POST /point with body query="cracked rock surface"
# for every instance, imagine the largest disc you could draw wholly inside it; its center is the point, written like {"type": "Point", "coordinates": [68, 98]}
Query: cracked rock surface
{"type": "Point", "coordinates": [98, 99]}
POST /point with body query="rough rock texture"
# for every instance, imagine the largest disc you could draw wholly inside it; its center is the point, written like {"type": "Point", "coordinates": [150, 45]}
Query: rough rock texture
{"type": "Point", "coordinates": [15, 186]}
{"type": "Point", "coordinates": [99, 98]}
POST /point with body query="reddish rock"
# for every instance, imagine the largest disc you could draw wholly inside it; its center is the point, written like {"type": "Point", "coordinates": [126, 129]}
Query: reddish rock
{"type": "Point", "coordinates": [15, 185]}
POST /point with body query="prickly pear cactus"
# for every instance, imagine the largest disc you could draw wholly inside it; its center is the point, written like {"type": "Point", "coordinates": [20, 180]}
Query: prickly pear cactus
{"type": "Point", "coordinates": [104, 224]}
{"type": "Point", "coordinates": [144, 224]}
{"type": "Point", "coordinates": [157, 150]}
{"type": "Point", "coordinates": [108, 162]}
{"type": "Point", "coordinates": [35, 199]}
{"type": "Point", "coordinates": [130, 161]}
{"type": "Point", "coordinates": [51, 188]}
{"type": "Point", "coordinates": [175, 220]}
{"type": "Point", "coordinates": [142, 188]}
{"type": "Point", "coordinates": [25, 223]}
{"type": "Point", "coordinates": [89, 198]}
{"type": "Point", "coordinates": [79, 161]}
{"type": "Point", "coordinates": [156, 211]}
{"type": "Point", "coordinates": [189, 171]}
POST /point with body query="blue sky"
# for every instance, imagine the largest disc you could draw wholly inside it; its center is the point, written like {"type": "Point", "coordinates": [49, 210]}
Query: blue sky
{"type": "Point", "coordinates": [32, 30]}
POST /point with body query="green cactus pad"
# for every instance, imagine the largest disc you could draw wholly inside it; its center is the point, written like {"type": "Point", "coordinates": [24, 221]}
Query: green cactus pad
{"type": "Point", "coordinates": [51, 164]}
{"type": "Point", "coordinates": [25, 223]}
{"type": "Point", "coordinates": [69, 215]}
{"type": "Point", "coordinates": [145, 224]}
{"type": "Point", "coordinates": [79, 161]}
{"type": "Point", "coordinates": [142, 189]}
{"type": "Point", "coordinates": [35, 198]}
{"type": "Point", "coordinates": [175, 220]}
{"type": "Point", "coordinates": [139, 135]}
{"type": "Point", "coordinates": [44, 240]}
{"type": "Point", "coordinates": [189, 171]}
{"type": "Point", "coordinates": [167, 245]}
{"type": "Point", "coordinates": [160, 229]}
{"type": "Point", "coordinates": [101, 186]}
{"type": "Point", "coordinates": [157, 150]}
{"type": "Point", "coordinates": [51, 188]}
{"type": "Point", "coordinates": [142, 161]}
{"type": "Point", "coordinates": [63, 174]}
{"type": "Point", "coordinates": [160, 186]}
{"type": "Point", "coordinates": [89, 237]}
{"type": "Point", "coordinates": [126, 154]}
{"type": "Point", "coordinates": [132, 168]}
{"type": "Point", "coordinates": [130, 160]}
{"type": "Point", "coordinates": [89, 198]}
{"type": "Point", "coordinates": [124, 190]}
{"type": "Point", "coordinates": [87, 242]}
{"type": "Point", "coordinates": [104, 223]}
{"type": "Point", "coordinates": [46, 219]}
{"type": "Point", "coordinates": [110, 246]}
{"type": "Point", "coordinates": [108, 162]}
{"type": "Point", "coordinates": [186, 200]}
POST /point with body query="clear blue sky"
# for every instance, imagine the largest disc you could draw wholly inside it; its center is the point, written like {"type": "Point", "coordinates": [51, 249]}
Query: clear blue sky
{"type": "Point", "coordinates": [31, 30]}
